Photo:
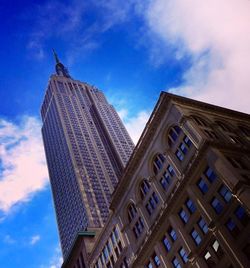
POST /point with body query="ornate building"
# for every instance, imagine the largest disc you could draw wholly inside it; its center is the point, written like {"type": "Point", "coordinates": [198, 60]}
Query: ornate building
{"type": "Point", "coordinates": [87, 148]}
{"type": "Point", "coordinates": [184, 197]}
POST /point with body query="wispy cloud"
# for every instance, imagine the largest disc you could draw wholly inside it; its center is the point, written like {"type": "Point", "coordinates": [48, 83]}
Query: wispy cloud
{"type": "Point", "coordinates": [23, 169]}
{"type": "Point", "coordinates": [34, 239]}
{"type": "Point", "coordinates": [78, 22]}
{"type": "Point", "coordinates": [134, 124]}
{"type": "Point", "coordinates": [56, 260]}
{"type": "Point", "coordinates": [215, 34]}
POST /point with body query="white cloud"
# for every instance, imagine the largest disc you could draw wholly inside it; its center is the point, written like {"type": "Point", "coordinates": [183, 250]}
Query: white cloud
{"type": "Point", "coordinates": [123, 113]}
{"type": "Point", "coordinates": [216, 34]}
{"type": "Point", "coordinates": [23, 169]}
{"type": "Point", "coordinates": [134, 124]}
{"type": "Point", "coordinates": [55, 261]}
{"type": "Point", "coordinates": [34, 239]}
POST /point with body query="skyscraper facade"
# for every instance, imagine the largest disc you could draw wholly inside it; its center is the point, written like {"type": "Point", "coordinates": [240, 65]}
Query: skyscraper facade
{"type": "Point", "coordinates": [87, 148]}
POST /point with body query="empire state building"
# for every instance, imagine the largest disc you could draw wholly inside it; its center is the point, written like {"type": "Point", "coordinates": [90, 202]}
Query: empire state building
{"type": "Point", "coordinates": [87, 148]}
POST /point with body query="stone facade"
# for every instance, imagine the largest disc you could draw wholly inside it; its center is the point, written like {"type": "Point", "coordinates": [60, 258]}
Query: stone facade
{"type": "Point", "coordinates": [184, 197]}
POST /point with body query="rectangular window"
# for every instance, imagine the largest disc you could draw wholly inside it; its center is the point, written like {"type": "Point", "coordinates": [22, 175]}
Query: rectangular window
{"type": "Point", "coordinates": [149, 209]}
{"type": "Point", "coordinates": [183, 255]}
{"type": "Point", "coordinates": [190, 206]}
{"type": "Point", "coordinates": [183, 148]}
{"type": "Point", "coordinates": [242, 216]}
{"type": "Point", "coordinates": [232, 227]}
{"type": "Point", "coordinates": [152, 203]}
{"type": "Point", "coordinates": [211, 176]}
{"type": "Point", "coordinates": [217, 248]}
{"type": "Point", "coordinates": [202, 186]}
{"type": "Point", "coordinates": [176, 263]}
{"type": "Point", "coordinates": [155, 197]}
{"type": "Point", "coordinates": [183, 215]}
{"type": "Point", "coordinates": [187, 141]}
{"type": "Point", "coordinates": [179, 155]}
{"type": "Point", "coordinates": [196, 237]}
{"type": "Point", "coordinates": [172, 234]}
{"type": "Point", "coordinates": [164, 182]}
{"type": "Point", "coordinates": [170, 170]}
{"type": "Point", "coordinates": [225, 193]}
{"type": "Point", "coordinates": [202, 224]}
{"type": "Point", "coordinates": [217, 206]}
{"type": "Point", "coordinates": [156, 260]}
{"type": "Point", "coordinates": [149, 265]}
{"type": "Point", "coordinates": [166, 243]}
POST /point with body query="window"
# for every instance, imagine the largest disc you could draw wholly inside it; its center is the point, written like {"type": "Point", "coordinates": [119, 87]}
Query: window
{"type": "Point", "coordinates": [149, 265]}
{"type": "Point", "coordinates": [217, 248]}
{"type": "Point", "coordinates": [166, 178]}
{"type": "Point", "coordinates": [202, 224]}
{"type": "Point", "coordinates": [202, 186]}
{"type": "Point", "coordinates": [124, 264]}
{"type": "Point", "coordinates": [155, 197]}
{"type": "Point", "coordinates": [132, 211]}
{"type": "Point", "coordinates": [166, 243]}
{"type": "Point", "coordinates": [170, 170]}
{"type": "Point", "coordinates": [187, 141]}
{"type": "Point", "coordinates": [232, 227]}
{"type": "Point", "coordinates": [242, 216]}
{"type": "Point", "coordinates": [183, 215]}
{"type": "Point", "coordinates": [144, 188]}
{"type": "Point", "coordinates": [179, 155]}
{"type": "Point", "coordinates": [152, 203]}
{"type": "Point", "coordinates": [138, 227]}
{"type": "Point", "coordinates": [183, 255]}
{"type": "Point", "coordinates": [176, 263]}
{"type": "Point", "coordinates": [149, 209]}
{"type": "Point", "coordinates": [156, 260]}
{"type": "Point", "coordinates": [173, 135]}
{"type": "Point", "coordinates": [190, 206]}
{"type": "Point", "coordinates": [172, 234]}
{"type": "Point", "coordinates": [158, 163]}
{"type": "Point", "coordinates": [217, 206]}
{"type": "Point", "coordinates": [225, 193]}
{"type": "Point", "coordinates": [196, 237]}
{"type": "Point", "coordinates": [211, 176]}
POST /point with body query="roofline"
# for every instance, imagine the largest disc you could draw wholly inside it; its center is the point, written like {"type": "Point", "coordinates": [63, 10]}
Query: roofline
{"type": "Point", "coordinates": [163, 100]}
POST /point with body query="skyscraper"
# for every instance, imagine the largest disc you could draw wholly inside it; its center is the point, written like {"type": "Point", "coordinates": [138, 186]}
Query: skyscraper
{"type": "Point", "coordinates": [87, 147]}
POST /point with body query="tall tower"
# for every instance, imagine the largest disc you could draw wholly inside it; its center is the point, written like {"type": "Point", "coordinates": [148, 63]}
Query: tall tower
{"type": "Point", "coordinates": [87, 147]}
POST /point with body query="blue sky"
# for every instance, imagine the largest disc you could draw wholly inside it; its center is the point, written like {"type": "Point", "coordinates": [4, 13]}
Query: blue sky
{"type": "Point", "coordinates": [129, 49]}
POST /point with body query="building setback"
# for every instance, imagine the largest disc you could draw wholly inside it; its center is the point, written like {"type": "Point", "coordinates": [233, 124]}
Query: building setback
{"type": "Point", "coordinates": [184, 197]}
{"type": "Point", "coordinates": [87, 148]}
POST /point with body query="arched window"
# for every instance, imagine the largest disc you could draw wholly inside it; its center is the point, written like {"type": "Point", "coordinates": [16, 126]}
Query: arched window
{"type": "Point", "coordinates": [158, 163]}
{"type": "Point", "coordinates": [173, 135]}
{"type": "Point", "coordinates": [144, 188]}
{"type": "Point", "coordinates": [132, 211]}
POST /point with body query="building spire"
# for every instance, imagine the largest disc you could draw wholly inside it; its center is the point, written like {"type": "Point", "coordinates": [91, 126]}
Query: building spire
{"type": "Point", "coordinates": [55, 56]}
{"type": "Point", "coordinates": [61, 70]}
